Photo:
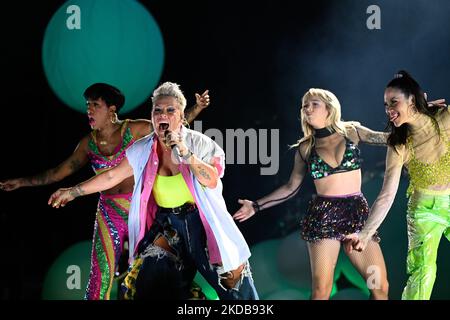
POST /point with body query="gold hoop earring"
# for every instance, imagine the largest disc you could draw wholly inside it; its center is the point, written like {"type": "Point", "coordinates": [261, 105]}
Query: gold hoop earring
{"type": "Point", "coordinates": [114, 118]}
{"type": "Point", "coordinates": [184, 122]}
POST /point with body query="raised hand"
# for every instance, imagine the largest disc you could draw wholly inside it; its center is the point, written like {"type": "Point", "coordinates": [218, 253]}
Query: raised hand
{"type": "Point", "coordinates": [202, 100]}
{"type": "Point", "coordinates": [436, 103]}
{"type": "Point", "coordinates": [245, 212]}
{"type": "Point", "coordinates": [173, 138]}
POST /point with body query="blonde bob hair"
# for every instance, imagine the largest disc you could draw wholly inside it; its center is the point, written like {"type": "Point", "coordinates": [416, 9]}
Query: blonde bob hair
{"type": "Point", "coordinates": [334, 121]}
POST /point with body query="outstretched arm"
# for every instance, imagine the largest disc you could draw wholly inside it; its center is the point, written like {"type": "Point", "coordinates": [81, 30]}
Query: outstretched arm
{"type": "Point", "coordinates": [76, 160]}
{"type": "Point", "coordinates": [369, 136]}
{"type": "Point", "coordinates": [101, 182]}
{"type": "Point", "coordinates": [283, 193]}
{"type": "Point", "coordinates": [202, 101]}
{"type": "Point", "coordinates": [383, 203]}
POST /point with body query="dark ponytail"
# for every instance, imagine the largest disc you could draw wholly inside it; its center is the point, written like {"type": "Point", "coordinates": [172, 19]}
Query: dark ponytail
{"type": "Point", "coordinates": [409, 87]}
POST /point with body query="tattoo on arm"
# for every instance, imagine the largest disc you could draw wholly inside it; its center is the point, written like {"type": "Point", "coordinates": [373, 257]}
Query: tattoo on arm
{"type": "Point", "coordinates": [203, 173]}
{"type": "Point", "coordinates": [41, 179]}
{"type": "Point", "coordinates": [373, 137]}
{"type": "Point", "coordinates": [75, 165]}
{"type": "Point", "coordinates": [191, 113]}
{"type": "Point", "coordinates": [76, 192]}
{"type": "Point", "coordinates": [48, 177]}
{"type": "Point", "coordinates": [379, 138]}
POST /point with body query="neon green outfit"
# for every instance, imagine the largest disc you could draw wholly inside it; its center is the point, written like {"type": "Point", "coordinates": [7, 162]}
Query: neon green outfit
{"type": "Point", "coordinates": [426, 155]}
{"type": "Point", "coordinates": [428, 218]}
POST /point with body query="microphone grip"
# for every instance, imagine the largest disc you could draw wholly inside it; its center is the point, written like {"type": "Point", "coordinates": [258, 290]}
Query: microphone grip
{"type": "Point", "coordinates": [166, 133]}
{"type": "Point", "coordinates": [172, 146]}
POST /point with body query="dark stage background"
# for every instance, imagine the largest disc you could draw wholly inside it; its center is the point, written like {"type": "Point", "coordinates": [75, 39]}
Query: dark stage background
{"type": "Point", "coordinates": [257, 59]}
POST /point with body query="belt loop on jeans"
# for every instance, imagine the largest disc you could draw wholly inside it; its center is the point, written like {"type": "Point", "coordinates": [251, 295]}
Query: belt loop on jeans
{"type": "Point", "coordinates": [185, 208]}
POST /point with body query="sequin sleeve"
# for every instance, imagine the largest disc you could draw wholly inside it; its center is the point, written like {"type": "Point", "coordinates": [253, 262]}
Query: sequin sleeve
{"type": "Point", "coordinates": [381, 206]}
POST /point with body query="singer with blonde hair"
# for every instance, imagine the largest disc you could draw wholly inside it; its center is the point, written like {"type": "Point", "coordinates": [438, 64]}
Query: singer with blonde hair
{"type": "Point", "coordinates": [178, 221]}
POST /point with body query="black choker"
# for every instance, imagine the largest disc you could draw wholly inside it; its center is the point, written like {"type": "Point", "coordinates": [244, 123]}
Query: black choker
{"type": "Point", "coordinates": [323, 132]}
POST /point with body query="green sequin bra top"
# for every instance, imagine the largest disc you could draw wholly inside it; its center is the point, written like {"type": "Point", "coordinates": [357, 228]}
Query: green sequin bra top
{"type": "Point", "coordinates": [319, 169]}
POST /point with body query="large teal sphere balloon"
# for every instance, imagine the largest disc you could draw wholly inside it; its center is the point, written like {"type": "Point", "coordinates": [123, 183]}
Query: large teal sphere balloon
{"type": "Point", "coordinates": [207, 290]}
{"type": "Point", "coordinates": [263, 262]}
{"type": "Point", "coordinates": [112, 41]}
{"type": "Point", "coordinates": [293, 261]}
{"type": "Point", "coordinates": [68, 275]}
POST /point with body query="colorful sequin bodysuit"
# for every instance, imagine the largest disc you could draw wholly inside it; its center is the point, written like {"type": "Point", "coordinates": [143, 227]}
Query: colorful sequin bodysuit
{"type": "Point", "coordinates": [111, 222]}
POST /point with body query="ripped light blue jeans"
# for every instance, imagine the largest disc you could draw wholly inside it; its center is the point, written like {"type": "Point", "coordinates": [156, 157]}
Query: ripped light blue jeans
{"type": "Point", "coordinates": [167, 273]}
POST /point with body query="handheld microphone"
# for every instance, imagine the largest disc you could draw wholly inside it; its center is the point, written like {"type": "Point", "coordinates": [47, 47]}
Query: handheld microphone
{"type": "Point", "coordinates": [174, 146]}
{"type": "Point", "coordinates": [175, 149]}
{"type": "Point", "coordinates": [166, 133]}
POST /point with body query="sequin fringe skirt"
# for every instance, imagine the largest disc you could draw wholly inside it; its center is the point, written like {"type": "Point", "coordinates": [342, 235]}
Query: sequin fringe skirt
{"type": "Point", "coordinates": [335, 217]}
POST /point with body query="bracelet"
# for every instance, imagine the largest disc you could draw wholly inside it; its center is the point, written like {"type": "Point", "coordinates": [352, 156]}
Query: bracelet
{"type": "Point", "coordinates": [256, 206]}
{"type": "Point", "coordinates": [187, 155]}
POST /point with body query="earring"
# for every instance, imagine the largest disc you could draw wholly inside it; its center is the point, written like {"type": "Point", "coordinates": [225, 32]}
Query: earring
{"type": "Point", "coordinates": [114, 118]}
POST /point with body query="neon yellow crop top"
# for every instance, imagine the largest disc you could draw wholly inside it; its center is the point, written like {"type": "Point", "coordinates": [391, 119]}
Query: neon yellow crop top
{"type": "Point", "coordinates": [171, 191]}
